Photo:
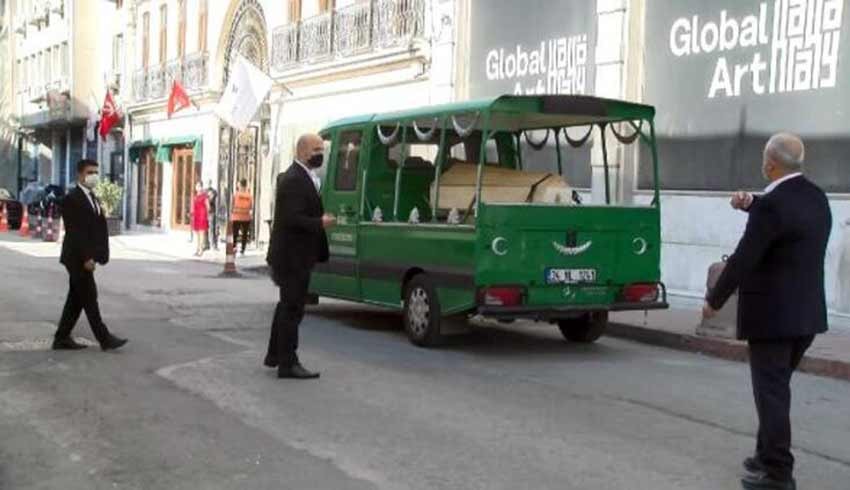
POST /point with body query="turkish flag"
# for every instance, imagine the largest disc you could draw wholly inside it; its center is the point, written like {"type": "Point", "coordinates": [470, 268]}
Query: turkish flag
{"type": "Point", "coordinates": [177, 99]}
{"type": "Point", "coordinates": [109, 115]}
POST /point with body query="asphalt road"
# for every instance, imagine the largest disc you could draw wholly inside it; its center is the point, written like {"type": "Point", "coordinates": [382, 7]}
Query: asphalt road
{"type": "Point", "coordinates": [187, 404]}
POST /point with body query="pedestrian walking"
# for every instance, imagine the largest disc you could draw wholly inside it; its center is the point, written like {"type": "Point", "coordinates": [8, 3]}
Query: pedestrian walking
{"type": "Point", "coordinates": [778, 270]}
{"type": "Point", "coordinates": [200, 218]}
{"type": "Point", "coordinates": [86, 244]}
{"type": "Point", "coordinates": [243, 212]}
{"type": "Point", "coordinates": [298, 242]}
{"type": "Point", "coordinates": [212, 195]}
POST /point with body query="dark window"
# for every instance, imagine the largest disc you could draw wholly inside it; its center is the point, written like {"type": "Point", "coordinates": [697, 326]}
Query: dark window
{"type": "Point", "coordinates": [347, 158]}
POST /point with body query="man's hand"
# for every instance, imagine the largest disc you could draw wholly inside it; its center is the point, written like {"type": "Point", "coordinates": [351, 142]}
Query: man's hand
{"type": "Point", "coordinates": [708, 312]}
{"type": "Point", "coordinates": [89, 265]}
{"type": "Point", "coordinates": [741, 200]}
{"type": "Point", "coordinates": [328, 220]}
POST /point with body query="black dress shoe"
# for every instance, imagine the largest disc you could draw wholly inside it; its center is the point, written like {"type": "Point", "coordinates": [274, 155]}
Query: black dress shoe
{"type": "Point", "coordinates": [67, 344]}
{"type": "Point", "coordinates": [765, 482]}
{"type": "Point", "coordinates": [297, 371]}
{"type": "Point", "coordinates": [112, 342]}
{"type": "Point", "coordinates": [754, 465]}
{"type": "Point", "coordinates": [270, 362]}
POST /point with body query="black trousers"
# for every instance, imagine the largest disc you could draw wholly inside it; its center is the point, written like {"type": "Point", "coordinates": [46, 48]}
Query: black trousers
{"type": "Point", "coordinates": [245, 226]}
{"type": "Point", "coordinates": [82, 296]}
{"type": "Point", "coordinates": [283, 342]}
{"type": "Point", "coordinates": [771, 365]}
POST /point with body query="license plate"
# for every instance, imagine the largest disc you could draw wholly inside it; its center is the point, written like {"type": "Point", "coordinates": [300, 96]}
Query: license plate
{"type": "Point", "coordinates": [570, 276]}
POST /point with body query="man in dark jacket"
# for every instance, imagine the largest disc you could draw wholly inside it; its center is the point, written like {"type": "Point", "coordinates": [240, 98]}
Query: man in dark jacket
{"type": "Point", "coordinates": [298, 241]}
{"type": "Point", "coordinates": [86, 243]}
{"type": "Point", "coordinates": [778, 270]}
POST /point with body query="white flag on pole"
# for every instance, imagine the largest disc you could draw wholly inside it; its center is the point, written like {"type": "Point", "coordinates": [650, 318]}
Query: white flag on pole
{"type": "Point", "coordinates": [245, 91]}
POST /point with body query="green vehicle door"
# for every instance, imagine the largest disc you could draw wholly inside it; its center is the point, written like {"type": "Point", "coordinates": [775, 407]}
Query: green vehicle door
{"type": "Point", "coordinates": [339, 276]}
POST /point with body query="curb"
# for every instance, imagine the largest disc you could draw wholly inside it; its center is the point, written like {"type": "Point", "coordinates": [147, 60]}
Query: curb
{"type": "Point", "coordinates": [720, 348]}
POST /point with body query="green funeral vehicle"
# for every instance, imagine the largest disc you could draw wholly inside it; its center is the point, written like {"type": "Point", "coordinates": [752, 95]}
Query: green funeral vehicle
{"type": "Point", "coordinates": [464, 209]}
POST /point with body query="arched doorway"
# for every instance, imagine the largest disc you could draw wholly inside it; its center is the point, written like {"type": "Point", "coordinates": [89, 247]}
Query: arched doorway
{"type": "Point", "coordinates": [240, 152]}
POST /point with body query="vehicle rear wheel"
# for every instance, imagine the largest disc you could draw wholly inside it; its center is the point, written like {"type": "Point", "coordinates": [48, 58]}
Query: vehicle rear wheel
{"type": "Point", "coordinates": [586, 328]}
{"type": "Point", "coordinates": [422, 312]}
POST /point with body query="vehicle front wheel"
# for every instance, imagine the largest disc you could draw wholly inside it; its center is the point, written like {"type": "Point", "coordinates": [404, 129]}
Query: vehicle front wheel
{"type": "Point", "coordinates": [586, 328]}
{"type": "Point", "coordinates": [422, 312]}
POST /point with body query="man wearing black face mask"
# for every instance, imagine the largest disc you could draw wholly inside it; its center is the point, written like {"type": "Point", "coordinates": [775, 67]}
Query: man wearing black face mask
{"type": "Point", "coordinates": [298, 242]}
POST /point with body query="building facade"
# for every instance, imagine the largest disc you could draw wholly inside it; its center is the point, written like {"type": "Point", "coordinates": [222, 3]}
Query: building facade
{"type": "Point", "coordinates": [723, 76]}
{"type": "Point", "coordinates": [8, 128]}
{"type": "Point", "coordinates": [327, 60]}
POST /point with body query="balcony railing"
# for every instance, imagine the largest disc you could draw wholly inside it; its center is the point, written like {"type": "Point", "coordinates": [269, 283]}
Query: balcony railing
{"type": "Point", "coordinates": [140, 85]}
{"type": "Point", "coordinates": [154, 83]}
{"type": "Point", "coordinates": [353, 29]}
{"type": "Point", "coordinates": [195, 71]}
{"type": "Point", "coordinates": [173, 71]}
{"type": "Point", "coordinates": [359, 28]}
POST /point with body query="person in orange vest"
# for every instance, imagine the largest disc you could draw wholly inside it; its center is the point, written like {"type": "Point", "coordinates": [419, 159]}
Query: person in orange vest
{"type": "Point", "coordinates": [243, 211]}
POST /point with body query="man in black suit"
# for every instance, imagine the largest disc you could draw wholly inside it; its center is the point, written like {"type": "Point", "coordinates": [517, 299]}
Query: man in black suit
{"type": "Point", "coordinates": [86, 243]}
{"type": "Point", "coordinates": [298, 242]}
{"type": "Point", "coordinates": [778, 270]}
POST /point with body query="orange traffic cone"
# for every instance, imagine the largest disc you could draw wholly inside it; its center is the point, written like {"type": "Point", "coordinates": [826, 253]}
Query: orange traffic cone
{"type": "Point", "coordinates": [230, 254]}
{"type": "Point", "coordinates": [48, 234]}
{"type": "Point", "coordinates": [4, 220]}
{"type": "Point", "coordinates": [24, 231]}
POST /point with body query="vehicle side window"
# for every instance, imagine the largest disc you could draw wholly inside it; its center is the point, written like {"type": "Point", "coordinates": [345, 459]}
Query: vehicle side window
{"type": "Point", "coordinates": [347, 159]}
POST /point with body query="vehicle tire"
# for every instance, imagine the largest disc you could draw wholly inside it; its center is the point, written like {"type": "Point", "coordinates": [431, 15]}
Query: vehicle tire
{"type": "Point", "coordinates": [422, 312]}
{"type": "Point", "coordinates": [586, 328]}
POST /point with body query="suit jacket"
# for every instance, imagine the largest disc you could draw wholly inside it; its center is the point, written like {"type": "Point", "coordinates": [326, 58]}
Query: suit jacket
{"type": "Point", "coordinates": [778, 266]}
{"type": "Point", "coordinates": [86, 235]}
{"type": "Point", "coordinates": [298, 240]}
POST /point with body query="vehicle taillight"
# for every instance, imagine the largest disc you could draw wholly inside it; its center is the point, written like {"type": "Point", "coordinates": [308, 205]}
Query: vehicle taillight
{"type": "Point", "coordinates": [501, 296]}
{"type": "Point", "coordinates": [640, 293]}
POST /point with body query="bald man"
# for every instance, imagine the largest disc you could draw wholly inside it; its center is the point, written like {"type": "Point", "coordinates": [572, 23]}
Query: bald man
{"type": "Point", "coordinates": [298, 242]}
{"type": "Point", "coordinates": [778, 270]}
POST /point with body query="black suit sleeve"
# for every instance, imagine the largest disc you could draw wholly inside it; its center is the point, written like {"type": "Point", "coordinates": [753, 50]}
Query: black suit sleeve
{"type": "Point", "coordinates": [76, 230]}
{"type": "Point", "coordinates": [763, 227]}
{"type": "Point", "coordinates": [294, 202]}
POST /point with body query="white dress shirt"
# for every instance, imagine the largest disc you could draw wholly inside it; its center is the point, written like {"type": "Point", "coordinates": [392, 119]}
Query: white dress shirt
{"type": "Point", "coordinates": [317, 182]}
{"type": "Point", "coordinates": [88, 194]}
{"type": "Point", "coordinates": [773, 185]}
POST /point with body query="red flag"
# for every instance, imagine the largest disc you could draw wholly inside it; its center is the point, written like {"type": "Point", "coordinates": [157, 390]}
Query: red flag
{"type": "Point", "coordinates": [109, 115]}
{"type": "Point", "coordinates": [178, 99]}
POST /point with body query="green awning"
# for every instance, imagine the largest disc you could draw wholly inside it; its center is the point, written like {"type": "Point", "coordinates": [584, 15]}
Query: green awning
{"type": "Point", "coordinates": [197, 143]}
{"type": "Point", "coordinates": [163, 147]}
{"type": "Point", "coordinates": [136, 147]}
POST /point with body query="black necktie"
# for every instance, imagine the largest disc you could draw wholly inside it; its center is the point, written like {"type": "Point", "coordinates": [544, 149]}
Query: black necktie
{"type": "Point", "coordinates": [96, 204]}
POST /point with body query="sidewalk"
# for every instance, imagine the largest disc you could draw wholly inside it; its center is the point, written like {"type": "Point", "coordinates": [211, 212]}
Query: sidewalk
{"type": "Point", "coordinates": [675, 328]}
{"type": "Point", "coordinates": [176, 245]}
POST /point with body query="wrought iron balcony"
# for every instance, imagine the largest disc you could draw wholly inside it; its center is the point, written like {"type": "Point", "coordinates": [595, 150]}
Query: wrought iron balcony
{"type": "Point", "coordinates": [315, 39]}
{"type": "Point", "coordinates": [353, 29]}
{"type": "Point", "coordinates": [173, 71]}
{"type": "Point", "coordinates": [285, 46]}
{"type": "Point", "coordinates": [359, 28]}
{"type": "Point", "coordinates": [154, 83]}
{"type": "Point", "coordinates": [195, 71]}
{"type": "Point", "coordinates": [140, 85]}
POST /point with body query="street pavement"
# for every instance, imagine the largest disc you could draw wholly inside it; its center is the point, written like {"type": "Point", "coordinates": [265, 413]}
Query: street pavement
{"type": "Point", "coordinates": [187, 404]}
